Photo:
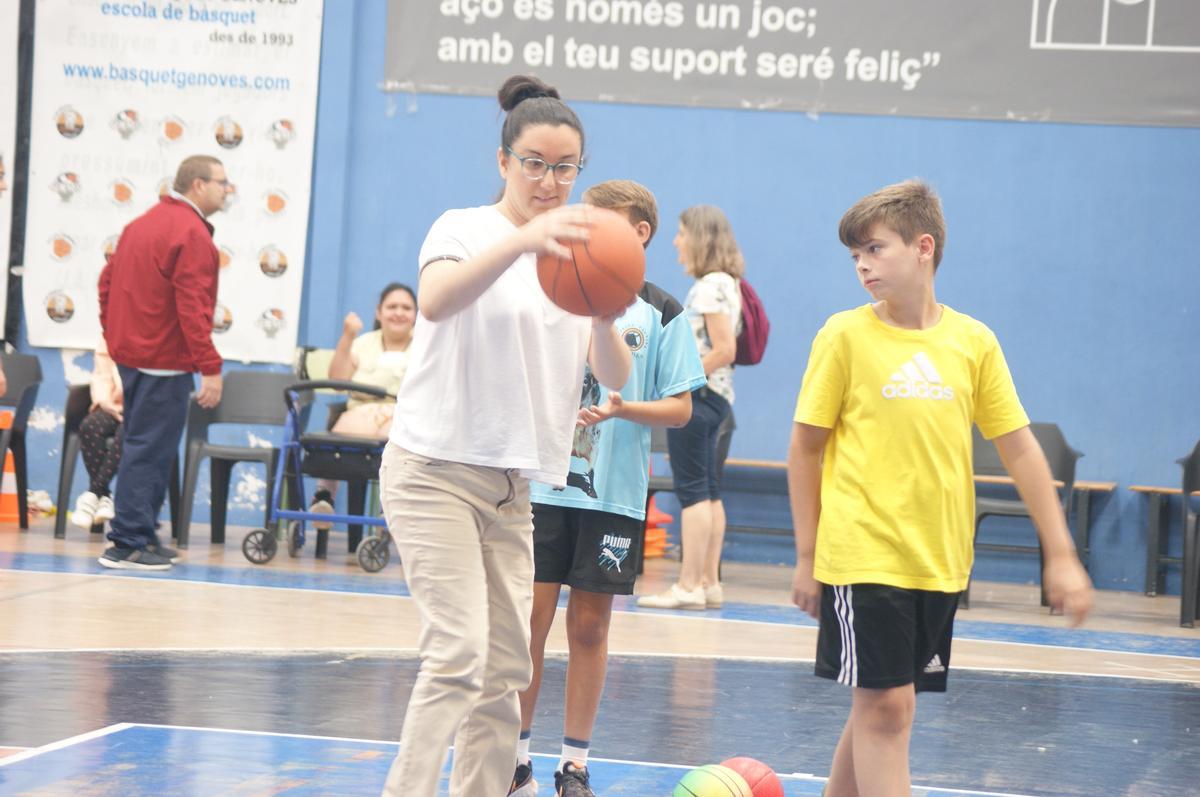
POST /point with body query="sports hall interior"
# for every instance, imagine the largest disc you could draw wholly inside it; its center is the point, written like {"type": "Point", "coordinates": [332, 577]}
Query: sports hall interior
{"type": "Point", "coordinates": [1071, 241]}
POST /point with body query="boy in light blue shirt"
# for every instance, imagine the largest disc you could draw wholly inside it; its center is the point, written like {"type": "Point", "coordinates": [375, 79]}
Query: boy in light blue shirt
{"type": "Point", "coordinates": [584, 534]}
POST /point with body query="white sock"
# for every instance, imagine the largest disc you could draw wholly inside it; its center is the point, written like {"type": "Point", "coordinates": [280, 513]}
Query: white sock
{"type": "Point", "coordinates": [523, 747]}
{"type": "Point", "coordinates": [575, 751]}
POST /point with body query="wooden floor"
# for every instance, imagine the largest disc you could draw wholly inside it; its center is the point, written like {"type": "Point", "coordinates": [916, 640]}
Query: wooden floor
{"type": "Point", "coordinates": [216, 600]}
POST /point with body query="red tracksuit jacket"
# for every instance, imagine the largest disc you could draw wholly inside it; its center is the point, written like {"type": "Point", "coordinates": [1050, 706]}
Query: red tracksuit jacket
{"type": "Point", "coordinates": [158, 292]}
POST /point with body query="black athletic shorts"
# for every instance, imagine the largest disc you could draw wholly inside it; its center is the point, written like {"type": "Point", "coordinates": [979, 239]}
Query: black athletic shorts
{"type": "Point", "coordinates": [585, 548]}
{"type": "Point", "coordinates": [879, 637]}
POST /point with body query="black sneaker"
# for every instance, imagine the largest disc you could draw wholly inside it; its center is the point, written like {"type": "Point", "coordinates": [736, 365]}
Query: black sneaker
{"type": "Point", "coordinates": [523, 784]}
{"type": "Point", "coordinates": [134, 559]}
{"type": "Point", "coordinates": [572, 782]}
{"type": "Point", "coordinates": [165, 551]}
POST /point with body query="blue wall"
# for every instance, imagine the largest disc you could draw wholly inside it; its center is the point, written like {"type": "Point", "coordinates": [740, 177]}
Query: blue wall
{"type": "Point", "coordinates": [1071, 241]}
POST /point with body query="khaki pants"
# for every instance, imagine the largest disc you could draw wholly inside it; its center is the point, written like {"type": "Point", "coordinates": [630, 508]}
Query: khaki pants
{"type": "Point", "coordinates": [465, 536]}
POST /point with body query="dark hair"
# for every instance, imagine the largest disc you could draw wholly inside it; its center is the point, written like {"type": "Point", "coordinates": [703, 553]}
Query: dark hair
{"type": "Point", "coordinates": [529, 101]}
{"type": "Point", "coordinates": [387, 290]}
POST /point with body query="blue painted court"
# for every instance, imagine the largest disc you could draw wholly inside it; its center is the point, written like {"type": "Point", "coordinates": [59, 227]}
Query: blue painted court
{"type": "Point", "coordinates": [136, 760]}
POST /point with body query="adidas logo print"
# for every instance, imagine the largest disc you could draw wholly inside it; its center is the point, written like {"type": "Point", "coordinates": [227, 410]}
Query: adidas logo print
{"type": "Point", "coordinates": [918, 379]}
{"type": "Point", "coordinates": [935, 664]}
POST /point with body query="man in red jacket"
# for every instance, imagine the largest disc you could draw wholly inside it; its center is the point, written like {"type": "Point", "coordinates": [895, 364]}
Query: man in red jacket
{"type": "Point", "coordinates": [157, 295]}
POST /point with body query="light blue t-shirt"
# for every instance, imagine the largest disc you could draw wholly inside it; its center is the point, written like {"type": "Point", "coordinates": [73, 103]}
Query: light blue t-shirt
{"type": "Point", "coordinates": [610, 461]}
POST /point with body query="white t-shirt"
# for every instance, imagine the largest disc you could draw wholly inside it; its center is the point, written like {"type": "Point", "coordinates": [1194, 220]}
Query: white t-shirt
{"type": "Point", "coordinates": [715, 292]}
{"type": "Point", "coordinates": [496, 384]}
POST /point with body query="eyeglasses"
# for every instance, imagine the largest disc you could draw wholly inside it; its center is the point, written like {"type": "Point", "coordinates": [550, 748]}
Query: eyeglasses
{"type": "Point", "coordinates": [223, 183]}
{"type": "Point", "coordinates": [536, 168]}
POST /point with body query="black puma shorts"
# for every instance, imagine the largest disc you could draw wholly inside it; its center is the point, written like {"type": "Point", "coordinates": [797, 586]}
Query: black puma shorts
{"type": "Point", "coordinates": [585, 548]}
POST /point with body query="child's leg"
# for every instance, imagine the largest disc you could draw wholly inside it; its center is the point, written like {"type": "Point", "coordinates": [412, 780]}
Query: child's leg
{"type": "Point", "coordinates": [880, 728]}
{"type": "Point", "coordinates": [841, 775]}
{"type": "Point", "coordinates": [588, 618]}
{"type": "Point", "coordinates": [545, 603]}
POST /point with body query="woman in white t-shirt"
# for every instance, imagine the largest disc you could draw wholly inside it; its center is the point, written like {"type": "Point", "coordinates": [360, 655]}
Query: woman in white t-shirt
{"type": "Point", "coordinates": [489, 402]}
{"type": "Point", "coordinates": [378, 358]}
{"type": "Point", "coordinates": [708, 252]}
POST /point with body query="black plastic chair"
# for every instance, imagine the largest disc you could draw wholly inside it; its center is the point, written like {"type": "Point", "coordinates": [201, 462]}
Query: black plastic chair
{"type": "Point", "coordinates": [986, 462]}
{"type": "Point", "coordinates": [247, 397]}
{"type": "Point", "coordinates": [1190, 591]}
{"type": "Point", "coordinates": [24, 375]}
{"type": "Point", "coordinates": [79, 404]}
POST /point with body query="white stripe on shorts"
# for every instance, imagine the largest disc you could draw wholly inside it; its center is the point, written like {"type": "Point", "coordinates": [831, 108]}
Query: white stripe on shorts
{"type": "Point", "coordinates": [844, 609]}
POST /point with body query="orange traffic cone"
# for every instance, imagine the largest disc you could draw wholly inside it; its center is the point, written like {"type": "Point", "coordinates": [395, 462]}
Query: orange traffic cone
{"type": "Point", "coordinates": [656, 532]}
{"type": "Point", "coordinates": [9, 511]}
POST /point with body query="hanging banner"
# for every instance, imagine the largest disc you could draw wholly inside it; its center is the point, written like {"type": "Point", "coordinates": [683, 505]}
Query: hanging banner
{"type": "Point", "coordinates": [122, 93]}
{"type": "Point", "coordinates": [1103, 61]}
{"type": "Point", "coordinates": [10, 11]}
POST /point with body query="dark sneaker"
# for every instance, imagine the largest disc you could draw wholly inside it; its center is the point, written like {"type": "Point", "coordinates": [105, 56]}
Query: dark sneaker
{"type": "Point", "coordinates": [166, 551]}
{"type": "Point", "coordinates": [523, 784]}
{"type": "Point", "coordinates": [572, 782]}
{"type": "Point", "coordinates": [134, 559]}
{"type": "Point", "coordinates": [322, 504]}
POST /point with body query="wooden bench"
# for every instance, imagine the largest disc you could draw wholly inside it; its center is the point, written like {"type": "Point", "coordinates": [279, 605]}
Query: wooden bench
{"type": "Point", "coordinates": [1081, 532]}
{"type": "Point", "coordinates": [1157, 525]}
{"type": "Point", "coordinates": [769, 477]}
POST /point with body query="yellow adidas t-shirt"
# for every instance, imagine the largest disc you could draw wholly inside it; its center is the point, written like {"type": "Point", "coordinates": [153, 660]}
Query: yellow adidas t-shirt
{"type": "Point", "coordinates": [897, 495]}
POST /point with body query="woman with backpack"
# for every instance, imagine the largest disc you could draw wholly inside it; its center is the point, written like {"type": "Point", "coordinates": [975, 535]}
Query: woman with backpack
{"type": "Point", "coordinates": [710, 255]}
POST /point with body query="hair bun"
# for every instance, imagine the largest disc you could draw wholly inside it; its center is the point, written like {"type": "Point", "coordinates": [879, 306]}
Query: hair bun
{"type": "Point", "coordinates": [519, 88]}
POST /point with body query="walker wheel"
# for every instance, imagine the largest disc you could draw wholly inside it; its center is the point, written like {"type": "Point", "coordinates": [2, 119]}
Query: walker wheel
{"type": "Point", "coordinates": [259, 546]}
{"type": "Point", "coordinates": [295, 538]}
{"type": "Point", "coordinates": [373, 554]}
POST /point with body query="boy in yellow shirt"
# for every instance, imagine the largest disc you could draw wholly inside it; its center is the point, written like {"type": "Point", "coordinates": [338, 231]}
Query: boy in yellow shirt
{"type": "Point", "coordinates": [882, 496]}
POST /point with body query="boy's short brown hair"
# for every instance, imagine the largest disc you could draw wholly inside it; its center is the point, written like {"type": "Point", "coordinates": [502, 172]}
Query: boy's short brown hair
{"type": "Point", "coordinates": [633, 198]}
{"type": "Point", "coordinates": [910, 209]}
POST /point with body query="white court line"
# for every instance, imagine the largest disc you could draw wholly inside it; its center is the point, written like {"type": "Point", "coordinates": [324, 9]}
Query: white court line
{"type": "Point", "coordinates": [70, 741]}
{"type": "Point", "coordinates": [134, 579]}
{"type": "Point", "coordinates": [624, 761]}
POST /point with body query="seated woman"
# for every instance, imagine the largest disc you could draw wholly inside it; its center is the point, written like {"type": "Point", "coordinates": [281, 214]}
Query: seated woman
{"type": "Point", "coordinates": [100, 456]}
{"type": "Point", "coordinates": [377, 358]}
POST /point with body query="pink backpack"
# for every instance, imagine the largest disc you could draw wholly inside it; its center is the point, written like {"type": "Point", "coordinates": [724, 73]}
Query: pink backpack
{"type": "Point", "coordinates": [752, 341]}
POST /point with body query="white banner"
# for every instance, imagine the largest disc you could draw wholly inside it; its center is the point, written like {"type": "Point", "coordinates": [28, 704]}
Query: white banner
{"type": "Point", "coordinates": [10, 12]}
{"type": "Point", "coordinates": [122, 93]}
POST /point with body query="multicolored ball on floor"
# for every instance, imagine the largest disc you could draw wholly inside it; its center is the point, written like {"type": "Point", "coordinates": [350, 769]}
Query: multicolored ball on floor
{"type": "Point", "coordinates": [712, 780]}
{"type": "Point", "coordinates": [761, 779]}
{"type": "Point", "coordinates": [603, 273]}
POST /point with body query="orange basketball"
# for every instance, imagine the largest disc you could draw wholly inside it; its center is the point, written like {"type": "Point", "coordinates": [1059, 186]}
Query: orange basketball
{"type": "Point", "coordinates": [603, 274]}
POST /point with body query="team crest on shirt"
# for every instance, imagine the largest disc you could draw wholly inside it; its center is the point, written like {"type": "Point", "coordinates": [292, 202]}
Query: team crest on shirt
{"type": "Point", "coordinates": [634, 337]}
{"type": "Point", "coordinates": [613, 551]}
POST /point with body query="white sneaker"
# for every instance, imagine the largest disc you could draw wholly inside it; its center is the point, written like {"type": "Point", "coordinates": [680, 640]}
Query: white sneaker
{"type": "Point", "coordinates": [714, 596]}
{"type": "Point", "coordinates": [84, 513]}
{"type": "Point", "coordinates": [675, 598]}
{"type": "Point", "coordinates": [105, 511]}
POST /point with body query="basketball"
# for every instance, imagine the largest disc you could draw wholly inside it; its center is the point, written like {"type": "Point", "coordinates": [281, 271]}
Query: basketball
{"type": "Point", "coordinates": [712, 780]}
{"type": "Point", "coordinates": [603, 273]}
{"type": "Point", "coordinates": [761, 779]}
